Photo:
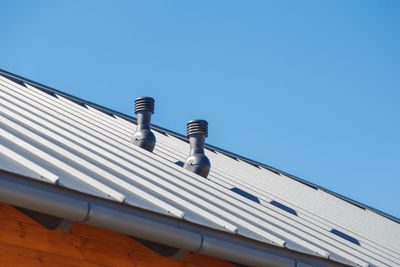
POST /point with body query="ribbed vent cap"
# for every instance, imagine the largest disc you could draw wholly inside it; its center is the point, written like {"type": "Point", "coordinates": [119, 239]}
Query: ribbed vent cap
{"type": "Point", "coordinates": [144, 103]}
{"type": "Point", "coordinates": [197, 127]}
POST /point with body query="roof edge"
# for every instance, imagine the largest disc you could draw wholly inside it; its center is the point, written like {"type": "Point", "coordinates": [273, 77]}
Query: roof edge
{"type": "Point", "coordinates": [24, 192]}
{"type": "Point", "coordinates": [184, 138]}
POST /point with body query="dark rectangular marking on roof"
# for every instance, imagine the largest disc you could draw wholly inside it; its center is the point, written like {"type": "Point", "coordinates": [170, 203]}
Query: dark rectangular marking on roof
{"type": "Point", "coordinates": [354, 203]}
{"type": "Point", "coordinates": [40, 89]}
{"type": "Point", "coordinates": [302, 181]}
{"type": "Point", "coordinates": [180, 163]}
{"type": "Point", "coordinates": [104, 111]}
{"type": "Point", "coordinates": [49, 93]}
{"type": "Point", "coordinates": [161, 132]}
{"type": "Point", "coordinates": [283, 207]}
{"type": "Point", "coordinates": [255, 165]}
{"type": "Point", "coordinates": [14, 80]}
{"type": "Point", "coordinates": [344, 236]}
{"type": "Point", "coordinates": [212, 150]}
{"type": "Point", "coordinates": [271, 170]}
{"type": "Point", "coordinates": [245, 194]}
{"type": "Point", "coordinates": [80, 103]}
{"type": "Point", "coordinates": [233, 157]}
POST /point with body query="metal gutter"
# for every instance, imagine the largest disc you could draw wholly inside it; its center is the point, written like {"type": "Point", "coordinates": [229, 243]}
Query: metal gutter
{"type": "Point", "coordinates": [54, 200]}
{"type": "Point", "coordinates": [184, 138]}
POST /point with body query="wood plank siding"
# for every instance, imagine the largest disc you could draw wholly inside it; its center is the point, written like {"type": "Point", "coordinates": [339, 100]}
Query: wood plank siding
{"type": "Point", "coordinates": [24, 242]}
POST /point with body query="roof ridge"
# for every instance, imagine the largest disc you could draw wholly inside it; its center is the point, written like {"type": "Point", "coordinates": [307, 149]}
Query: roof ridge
{"type": "Point", "coordinates": [112, 112]}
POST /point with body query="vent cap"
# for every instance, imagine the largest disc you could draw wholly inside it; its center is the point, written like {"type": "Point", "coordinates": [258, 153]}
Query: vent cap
{"type": "Point", "coordinates": [144, 103]}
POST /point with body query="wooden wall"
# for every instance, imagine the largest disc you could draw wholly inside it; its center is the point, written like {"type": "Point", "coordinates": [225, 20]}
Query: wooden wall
{"type": "Point", "coordinates": [23, 242]}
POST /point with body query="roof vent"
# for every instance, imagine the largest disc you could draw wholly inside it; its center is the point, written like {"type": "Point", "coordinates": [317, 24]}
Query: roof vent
{"type": "Point", "coordinates": [143, 136]}
{"type": "Point", "coordinates": [197, 162]}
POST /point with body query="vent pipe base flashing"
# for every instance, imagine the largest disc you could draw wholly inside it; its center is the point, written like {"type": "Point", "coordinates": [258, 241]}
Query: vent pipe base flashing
{"type": "Point", "coordinates": [143, 136]}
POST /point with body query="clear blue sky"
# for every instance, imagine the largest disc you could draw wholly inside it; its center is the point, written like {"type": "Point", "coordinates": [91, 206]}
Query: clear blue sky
{"type": "Point", "coordinates": [309, 87]}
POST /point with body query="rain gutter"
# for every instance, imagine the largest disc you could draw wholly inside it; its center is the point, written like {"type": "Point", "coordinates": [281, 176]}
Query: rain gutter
{"type": "Point", "coordinates": [54, 200]}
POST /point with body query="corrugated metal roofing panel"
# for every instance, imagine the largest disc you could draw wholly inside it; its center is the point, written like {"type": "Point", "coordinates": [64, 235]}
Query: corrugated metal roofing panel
{"type": "Point", "coordinates": [83, 148]}
{"type": "Point", "coordinates": [17, 158]}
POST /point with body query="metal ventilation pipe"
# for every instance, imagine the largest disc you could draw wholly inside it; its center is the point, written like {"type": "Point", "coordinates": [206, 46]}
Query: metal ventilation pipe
{"type": "Point", "coordinates": [143, 136]}
{"type": "Point", "coordinates": [197, 162]}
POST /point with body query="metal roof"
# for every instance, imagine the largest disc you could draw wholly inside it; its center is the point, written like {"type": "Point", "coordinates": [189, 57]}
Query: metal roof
{"type": "Point", "coordinates": [56, 138]}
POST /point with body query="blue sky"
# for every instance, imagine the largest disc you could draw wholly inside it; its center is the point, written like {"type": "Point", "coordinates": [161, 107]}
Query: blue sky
{"type": "Point", "coordinates": [309, 87]}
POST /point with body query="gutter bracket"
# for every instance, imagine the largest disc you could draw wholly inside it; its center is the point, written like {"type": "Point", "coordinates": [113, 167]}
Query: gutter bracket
{"type": "Point", "coordinates": [239, 265]}
{"type": "Point", "coordinates": [50, 222]}
{"type": "Point", "coordinates": [162, 250]}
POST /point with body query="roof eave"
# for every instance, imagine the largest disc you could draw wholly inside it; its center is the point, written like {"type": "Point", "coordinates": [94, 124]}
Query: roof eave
{"type": "Point", "coordinates": [54, 200]}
